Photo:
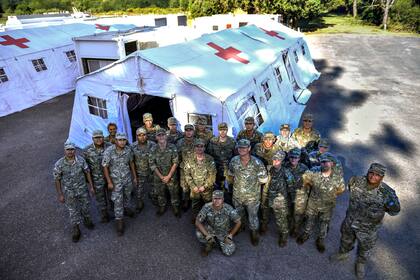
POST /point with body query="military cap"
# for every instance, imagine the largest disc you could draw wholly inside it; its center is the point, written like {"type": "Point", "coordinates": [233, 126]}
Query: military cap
{"type": "Point", "coordinates": [285, 126]}
{"type": "Point", "coordinates": [218, 194]}
{"type": "Point", "coordinates": [279, 155]}
{"type": "Point", "coordinates": [172, 120]}
{"type": "Point", "coordinates": [188, 126]}
{"type": "Point", "coordinates": [97, 133]}
{"type": "Point", "coordinates": [243, 143]}
{"type": "Point", "coordinates": [324, 143]}
{"type": "Point", "coordinates": [147, 117]}
{"type": "Point", "coordinates": [377, 168]}
{"type": "Point", "coordinates": [269, 135]}
{"type": "Point", "coordinates": [201, 120]}
{"type": "Point", "coordinates": [121, 136]}
{"type": "Point", "coordinates": [141, 130]}
{"type": "Point", "coordinates": [222, 126]}
{"type": "Point", "coordinates": [326, 157]}
{"type": "Point", "coordinates": [249, 120]}
{"type": "Point", "coordinates": [160, 131]}
{"type": "Point", "coordinates": [295, 152]}
{"type": "Point", "coordinates": [307, 116]}
{"type": "Point", "coordinates": [69, 145]}
{"type": "Point", "coordinates": [199, 141]}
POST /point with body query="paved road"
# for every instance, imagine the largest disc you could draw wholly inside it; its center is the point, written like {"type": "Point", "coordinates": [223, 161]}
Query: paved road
{"type": "Point", "coordinates": [365, 102]}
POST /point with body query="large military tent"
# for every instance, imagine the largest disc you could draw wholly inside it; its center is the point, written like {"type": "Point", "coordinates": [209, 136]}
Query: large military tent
{"type": "Point", "coordinates": [224, 76]}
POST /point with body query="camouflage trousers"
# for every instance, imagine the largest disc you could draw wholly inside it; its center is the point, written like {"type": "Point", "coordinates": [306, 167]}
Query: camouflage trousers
{"type": "Point", "coordinates": [101, 195]}
{"type": "Point", "coordinates": [121, 196]}
{"type": "Point", "coordinates": [299, 207]}
{"type": "Point", "coordinates": [250, 208]}
{"type": "Point", "coordinates": [227, 248]}
{"type": "Point", "coordinates": [183, 184]}
{"type": "Point", "coordinates": [161, 188]}
{"type": "Point", "coordinates": [141, 185]}
{"type": "Point", "coordinates": [78, 206]}
{"type": "Point", "coordinates": [324, 217]}
{"type": "Point", "coordinates": [280, 208]}
{"type": "Point", "coordinates": [198, 200]}
{"type": "Point", "coordinates": [366, 240]}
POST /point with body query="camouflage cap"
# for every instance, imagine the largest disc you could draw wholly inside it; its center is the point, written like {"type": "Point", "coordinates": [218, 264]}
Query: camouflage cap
{"type": "Point", "coordinates": [326, 157]}
{"type": "Point", "coordinates": [285, 126]}
{"type": "Point", "coordinates": [218, 194]}
{"type": "Point", "coordinates": [160, 131]}
{"type": "Point", "coordinates": [323, 143]}
{"type": "Point", "coordinates": [201, 120]}
{"type": "Point", "coordinates": [243, 143]}
{"type": "Point", "coordinates": [269, 135]}
{"type": "Point", "coordinates": [249, 120]}
{"type": "Point", "coordinates": [69, 145]}
{"type": "Point", "coordinates": [172, 120]}
{"type": "Point", "coordinates": [377, 168]}
{"type": "Point", "coordinates": [295, 152]}
{"type": "Point", "coordinates": [222, 126]}
{"type": "Point", "coordinates": [307, 116]}
{"type": "Point", "coordinates": [279, 155]}
{"type": "Point", "coordinates": [147, 117]}
{"type": "Point", "coordinates": [188, 126]}
{"type": "Point", "coordinates": [97, 133]}
{"type": "Point", "coordinates": [121, 136]}
{"type": "Point", "coordinates": [199, 142]}
{"type": "Point", "coordinates": [141, 130]}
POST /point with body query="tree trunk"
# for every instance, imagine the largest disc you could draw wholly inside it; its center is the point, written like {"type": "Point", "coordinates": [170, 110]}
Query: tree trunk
{"type": "Point", "coordinates": [354, 8]}
{"type": "Point", "coordinates": [388, 4]}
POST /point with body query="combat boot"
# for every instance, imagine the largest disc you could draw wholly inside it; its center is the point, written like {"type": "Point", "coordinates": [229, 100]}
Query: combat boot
{"type": "Point", "coordinates": [338, 257]}
{"type": "Point", "coordinates": [263, 228]}
{"type": "Point", "coordinates": [295, 231]}
{"type": "Point", "coordinates": [360, 270]}
{"type": "Point", "coordinates": [120, 227]}
{"type": "Point", "coordinates": [104, 216]}
{"type": "Point", "coordinates": [176, 211]}
{"type": "Point", "coordinates": [254, 238]}
{"type": "Point", "coordinates": [320, 245]}
{"type": "Point", "coordinates": [76, 233]}
{"type": "Point", "coordinates": [283, 239]}
{"type": "Point", "coordinates": [128, 212]}
{"type": "Point", "coordinates": [161, 210]}
{"type": "Point", "coordinates": [88, 223]}
{"type": "Point", "coordinates": [302, 238]}
{"type": "Point", "coordinates": [140, 206]}
{"type": "Point", "coordinates": [207, 249]}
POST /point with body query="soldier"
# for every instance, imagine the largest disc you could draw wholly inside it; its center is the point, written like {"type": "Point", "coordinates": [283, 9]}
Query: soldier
{"type": "Point", "coordinates": [250, 133]}
{"type": "Point", "coordinates": [222, 149]}
{"type": "Point", "coordinates": [93, 155]}
{"type": "Point", "coordinates": [306, 136]}
{"type": "Point", "coordinates": [323, 147]}
{"type": "Point", "coordinates": [163, 162]}
{"type": "Point", "coordinates": [71, 172]}
{"type": "Point", "coordinates": [150, 127]}
{"type": "Point", "coordinates": [285, 140]}
{"type": "Point", "coordinates": [298, 195]}
{"type": "Point", "coordinates": [247, 173]}
{"type": "Point", "coordinates": [214, 225]}
{"type": "Point", "coordinates": [370, 199]}
{"type": "Point", "coordinates": [185, 147]}
{"type": "Point", "coordinates": [200, 175]}
{"type": "Point", "coordinates": [112, 131]}
{"type": "Point", "coordinates": [118, 164]}
{"type": "Point", "coordinates": [201, 131]}
{"type": "Point", "coordinates": [173, 134]}
{"type": "Point", "coordinates": [281, 180]}
{"type": "Point", "coordinates": [141, 150]}
{"type": "Point", "coordinates": [325, 186]}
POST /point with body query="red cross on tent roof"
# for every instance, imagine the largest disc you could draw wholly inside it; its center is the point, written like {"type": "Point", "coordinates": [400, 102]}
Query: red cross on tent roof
{"type": "Point", "coordinates": [12, 41]}
{"type": "Point", "coordinates": [102, 27]}
{"type": "Point", "coordinates": [227, 53]}
{"type": "Point", "coordinates": [273, 34]}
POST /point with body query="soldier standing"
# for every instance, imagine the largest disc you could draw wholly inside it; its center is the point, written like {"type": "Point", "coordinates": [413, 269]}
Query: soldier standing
{"type": "Point", "coordinates": [370, 199]}
{"type": "Point", "coordinates": [93, 155]}
{"type": "Point", "coordinates": [163, 162]}
{"type": "Point", "coordinates": [173, 134]}
{"type": "Point", "coordinates": [285, 140]}
{"type": "Point", "coordinates": [323, 147]}
{"type": "Point", "coordinates": [141, 150]}
{"type": "Point", "coordinates": [150, 127]}
{"type": "Point", "coordinates": [200, 175]}
{"type": "Point", "coordinates": [250, 133]}
{"type": "Point", "coordinates": [118, 167]}
{"type": "Point", "coordinates": [306, 136]}
{"type": "Point", "coordinates": [325, 186]}
{"type": "Point", "coordinates": [112, 131]}
{"type": "Point", "coordinates": [71, 172]}
{"type": "Point", "coordinates": [247, 173]}
{"type": "Point", "coordinates": [214, 225]}
{"type": "Point", "coordinates": [201, 131]}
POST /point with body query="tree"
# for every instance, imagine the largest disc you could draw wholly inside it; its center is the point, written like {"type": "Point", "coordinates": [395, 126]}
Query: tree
{"type": "Point", "coordinates": [354, 8]}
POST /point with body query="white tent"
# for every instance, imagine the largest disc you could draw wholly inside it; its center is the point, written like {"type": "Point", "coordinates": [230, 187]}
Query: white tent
{"type": "Point", "coordinates": [225, 76]}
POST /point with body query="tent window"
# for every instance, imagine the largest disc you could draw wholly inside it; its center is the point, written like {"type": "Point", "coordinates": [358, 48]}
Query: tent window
{"type": "Point", "coordinates": [303, 50]}
{"type": "Point", "coordinates": [242, 24]}
{"type": "Point", "coordinates": [296, 56]}
{"type": "Point", "coordinates": [290, 72]}
{"type": "Point", "coordinates": [266, 89]}
{"type": "Point", "coordinates": [193, 118]}
{"type": "Point", "coordinates": [215, 27]}
{"type": "Point", "coordinates": [3, 76]}
{"type": "Point", "coordinates": [97, 107]}
{"type": "Point", "coordinates": [39, 65]}
{"type": "Point", "coordinates": [249, 108]}
{"type": "Point", "coordinates": [278, 74]}
{"type": "Point", "coordinates": [71, 56]}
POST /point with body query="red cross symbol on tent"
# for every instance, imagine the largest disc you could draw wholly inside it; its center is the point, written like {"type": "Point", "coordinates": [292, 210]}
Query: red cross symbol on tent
{"type": "Point", "coordinates": [12, 41]}
{"type": "Point", "coordinates": [273, 34]}
{"type": "Point", "coordinates": [102, 27]}
{"type": "Point", "coordinates": [227, 53]}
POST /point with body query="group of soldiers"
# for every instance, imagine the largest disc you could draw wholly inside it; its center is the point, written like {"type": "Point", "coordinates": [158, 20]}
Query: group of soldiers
{"type": "Point", "coordinates": [230, 184]}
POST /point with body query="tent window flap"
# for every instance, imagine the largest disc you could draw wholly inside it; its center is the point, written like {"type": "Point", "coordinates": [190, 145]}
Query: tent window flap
{"type": "Point", "coordinates": [71, 56]}
{"type": "Point", "coordinates": [266, 89]}
{"type": "Point", "coordinates": [249, 108]}
{"type": "Point", "coordinates": [278, 74]}
{"type": "Point", "coordinates": [97, 107]}
{"type": "Point", "coordinates": [3, 76]}
{"type": "Point", "coordinates": [39, 65]}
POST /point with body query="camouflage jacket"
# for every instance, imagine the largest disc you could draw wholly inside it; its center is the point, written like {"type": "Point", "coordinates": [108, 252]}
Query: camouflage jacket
{"type": "Point", "coordinates": [71, 175]}
{"type": "Point", "coordinates": [281, 180]}
{"type": "Point", "coordinates": [93, 157]}
{"type": "Point", "coordinates": [118, 163]}
{"type": "Point", "coordinates": [297, 173]}
{"type": "Point", "coordinates": [306, 140]}
{"type": "Point", "coordinates": [367, 207]}
{"type": "Point", "coordinates": [141, 157]}
{"type": "Point", "coordinates": [247, 179]}
{"type": "Point", "coordinates": [265, 155]}
{"type": "Point", "coordinates": [286, 143]}
{"type": "Point", "coordinates": [255, 138]}
{"type": "Point", "coordinates": [222, 152]}
{"type": "Point", "coordinates": [206, 135]}
{"type": "Point", "coordinates": [110, 139]}
{"type": "Point", "coordinates": [323, 189]}
{"type": "Point", "coordinates": [173, 137]}
{"type": "Point", "coordinates": [185, 147]}
{"type": "Point", "coordinates": [163, 159]}
{"type": "Point", "coordinates": [151, 132]}
{"type": "Point", "coordinates": [218, 222]}
{"type": "Point", "coordinates": [200, 173]}
{"type": "Point", "coordinates": [314, 162]}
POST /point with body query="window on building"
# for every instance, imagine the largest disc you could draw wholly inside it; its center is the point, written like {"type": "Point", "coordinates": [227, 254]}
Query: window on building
{"type": "Point", "coordinates": [215, 27]}
{"type": "Point", "coordinates": [303, 50]}
{"type": "Point", "coordinates": [266, 89]}
{"type": "Point", "coordinates": [278, 74]}
{"type": "Point", "coordinates": [296, 56]}
{"type": "Point", "coordinates": [243, 24]}
{"type": "Point", "coordinates": [249, 108]}
{"type": "Point", "coordinates": [97, 107]}
{"type": "Point", "coordinates": [3, 76]}
{"type": "Point", "coordinates": [193, 118]}
{"type": "Point", "coordinates": [130, 47]}
{"type": "Point", "coordinates": [71, 56]}
{"type": "Point", "coordinates": [92, 64]}
{"type": "Point", "coordinates": [161, 22]}
{"type": "Point", "coordinates": [182, 20]}
{"type": "Point", "coordinates": [39, 65]}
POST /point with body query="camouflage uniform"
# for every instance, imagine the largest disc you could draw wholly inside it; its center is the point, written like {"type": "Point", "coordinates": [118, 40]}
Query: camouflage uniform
{"type": "Point", "coordinates": [314, 160]}
{"type": "Point", "coordinates": [285, 143]}
{"type": "Point", "coordinates": [141, 159]}
{"type": "Point", "coordinates": [118, 163]}
{"type": "Point", "coordinates": [110, 139]}
{"type": "Point", "coordinates": [255, 138]}
{"type": "Point", "coordinates": [173, 138]}
{"type": "Point", "coordinates": [163, 161]}
{"type": "Point", "coordinates": [151, 132]}
{"type": "Point", "coordinates": [206, 135]}
{"type": "Point", "coordinates": [73, 181]}
{"type": "Point", "coordinates": [200, 174]}
{"type": "Point", "coordinates": [185, 147]}
{"type": "Point", "coordinates": [306, 140]}
{"type": "Point", "coordinates": [218, 223]}
{"type": "Point", "coordinates": [93, 157]}
{"type": "Point", "coordinates": [247, 187]}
